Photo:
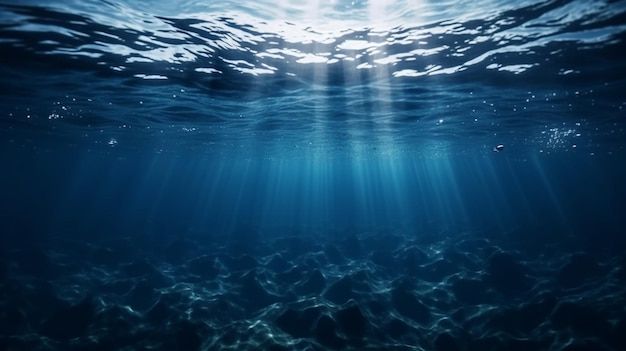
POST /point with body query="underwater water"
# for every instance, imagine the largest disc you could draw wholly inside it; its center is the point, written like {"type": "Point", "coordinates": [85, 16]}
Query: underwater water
{"type": "Point", "coordinates": [322, 175]}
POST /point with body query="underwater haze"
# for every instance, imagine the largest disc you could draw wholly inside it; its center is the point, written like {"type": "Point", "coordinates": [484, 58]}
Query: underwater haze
{"type": "Point", "coordinates": [323, 175]}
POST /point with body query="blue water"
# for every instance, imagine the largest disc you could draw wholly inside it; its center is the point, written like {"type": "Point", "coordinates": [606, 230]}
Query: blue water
{"type": "Point", "coordinates": [369, 143]}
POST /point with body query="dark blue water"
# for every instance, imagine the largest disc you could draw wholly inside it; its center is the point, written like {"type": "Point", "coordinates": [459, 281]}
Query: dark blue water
{"type": "Point", "coordinates": [406, 175]}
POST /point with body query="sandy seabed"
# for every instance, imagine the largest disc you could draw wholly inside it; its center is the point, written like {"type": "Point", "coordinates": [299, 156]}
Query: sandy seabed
{"type": "Point", "coordinates": [360, 292]}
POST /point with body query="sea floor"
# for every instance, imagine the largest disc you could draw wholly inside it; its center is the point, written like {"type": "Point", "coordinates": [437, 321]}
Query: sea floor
{"type": "Point", "coordinates": [360, 292]}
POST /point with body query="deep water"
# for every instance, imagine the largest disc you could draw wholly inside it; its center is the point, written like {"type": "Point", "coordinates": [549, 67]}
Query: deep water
{"type": "Point", "coordinates": [269, 175]}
